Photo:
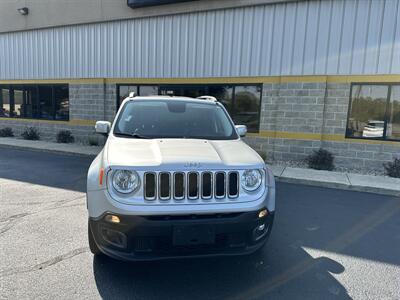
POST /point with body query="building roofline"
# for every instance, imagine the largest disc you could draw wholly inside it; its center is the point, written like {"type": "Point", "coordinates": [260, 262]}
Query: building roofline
{"type": "Point", "coordinates": [111, 13]}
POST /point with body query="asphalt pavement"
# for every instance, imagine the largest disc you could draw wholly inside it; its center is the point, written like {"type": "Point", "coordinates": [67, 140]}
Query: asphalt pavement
{"type": "Point", "coordinates": [325, 244]}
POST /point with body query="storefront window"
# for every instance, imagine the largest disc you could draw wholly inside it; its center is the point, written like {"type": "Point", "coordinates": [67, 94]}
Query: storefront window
{"type": "Point", "coordinates": [35, 101]}
{"type": "Point", "coordinates": [393, 127]}
{"type": "Point", "coordinates": [247, 106]}
{"type": "Point", "coordinates": [17, 94]}
{"type": "Point", "coordinates": [124, 91]}
{"type": "Point", "coordinates": [4, 102]}
{"type": "Point", "coordinates": [148, 90]}
{"type": "Point", "coordinates": [46, 102]}
{"type": "Point", "coordinates": [241, 101]}
{"type": "Point", "coordinates": [61, 97]}
{"type": "Point", "coordinates": [374, 112]}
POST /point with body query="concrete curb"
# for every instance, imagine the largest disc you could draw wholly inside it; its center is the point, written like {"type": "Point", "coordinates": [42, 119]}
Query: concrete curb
{"type": "Point", "coordinates": [343, 181]}
{"type": "Point", "coordinates": [365, 189]}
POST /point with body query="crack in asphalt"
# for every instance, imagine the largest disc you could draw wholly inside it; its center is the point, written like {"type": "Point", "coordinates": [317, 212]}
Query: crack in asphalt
{"type": "Point", "coordinates": [45, 264]}
{"type": "Point", "coordinates": [15, 219]}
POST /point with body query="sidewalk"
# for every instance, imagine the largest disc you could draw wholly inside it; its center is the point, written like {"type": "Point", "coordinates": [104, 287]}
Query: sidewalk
{"type": "Point", "coordinates": [75, 149]}
{"type": "Point", "coordinates": [347, 181]}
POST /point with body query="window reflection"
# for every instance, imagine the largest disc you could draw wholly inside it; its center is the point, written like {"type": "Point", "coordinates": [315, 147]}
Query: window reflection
{"type": "Point", "coordinates": [61, 95]}
{"type": "Point", "coordinates": [367, 114]}
{"type": "Point", "coordinates": [18, 93]}
{"type": "Point", "coordinates": [224, 94]}
{"type": "Point", "coordinates": [393, 127]}
{"type": "Point", "coordinates": [148, 90]}
{"type": "Point", "coordinates": [45, 102]}
{"type": "Point", "coordinates": [4, 103]}
{"type": "Point", "coordinates": [247, 105]}
{"type": "Point", "coordinates": [124, 91]}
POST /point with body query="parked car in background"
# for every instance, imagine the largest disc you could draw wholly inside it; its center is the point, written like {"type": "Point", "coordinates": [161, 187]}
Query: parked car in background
{"type": "Point", "coordinates": [373, 129]}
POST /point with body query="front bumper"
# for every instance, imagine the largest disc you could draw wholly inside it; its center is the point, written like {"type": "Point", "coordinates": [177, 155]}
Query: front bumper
{"type": "Point", "coordinates": [161, 237]}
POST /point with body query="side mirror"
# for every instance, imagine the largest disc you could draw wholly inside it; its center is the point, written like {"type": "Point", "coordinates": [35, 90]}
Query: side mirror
{"type": "Point", "coordinates": [241, 130]}
{"type": "Point", "coordinates": [103, 127]}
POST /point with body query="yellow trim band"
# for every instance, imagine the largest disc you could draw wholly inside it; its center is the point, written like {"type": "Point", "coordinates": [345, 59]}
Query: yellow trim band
{"type": "Point", "coordinates": [216, 80]}
{"type": "Point", "coordinates": [316, 137]}
{"type": "Point", "coordinates": [76, 122]}
{"type": "Point", "coordinates": [54, 81]}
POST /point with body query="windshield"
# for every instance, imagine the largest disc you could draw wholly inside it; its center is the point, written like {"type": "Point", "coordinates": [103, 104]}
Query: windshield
{"type": "Point", "coordinates": [174, 119]}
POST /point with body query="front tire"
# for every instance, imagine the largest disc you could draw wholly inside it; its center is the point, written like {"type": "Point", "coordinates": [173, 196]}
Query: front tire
{"type": "Point", "coordinates": [92, 243]}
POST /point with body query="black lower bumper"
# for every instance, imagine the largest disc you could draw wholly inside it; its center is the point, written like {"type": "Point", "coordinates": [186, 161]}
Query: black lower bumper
{"type": "Point", "coordinates": [159, 237]}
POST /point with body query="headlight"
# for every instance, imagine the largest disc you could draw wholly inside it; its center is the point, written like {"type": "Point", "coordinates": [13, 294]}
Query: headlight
{"type": "Point", "coordinates": [125, 181]}
{"type": "Point", "coordinates": [251, 180]}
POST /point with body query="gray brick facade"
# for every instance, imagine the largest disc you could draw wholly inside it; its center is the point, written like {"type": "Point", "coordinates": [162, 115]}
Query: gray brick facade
{"type": "Point", "coordinates": [318, 109]}
{"type": "Point", "coordinates": [310, 112]}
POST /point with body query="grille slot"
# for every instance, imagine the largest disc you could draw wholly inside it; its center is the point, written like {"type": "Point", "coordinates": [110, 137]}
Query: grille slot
{"type": "Point", "coordinates": [150, 186]}
{"type": "Point", "coordinates": [193, 185]}
{"type": "Point", "coordinates": [233, 190]}
{"type": "Point", "coordinates": [165, 186]}
{"type": "Point", "coordinates": [220, 185]}
{"type": "Point", "coordinates": [179, 186]}
{"type": "Point", "coordinates": [206, 185]}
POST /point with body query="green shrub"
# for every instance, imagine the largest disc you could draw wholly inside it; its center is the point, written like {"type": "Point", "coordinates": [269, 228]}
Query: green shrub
{"type": "Point", "coordinates": [93, 140]}
{"type": "Point", "coordinates": [393, 168]}
{"type": "Point", "coordinates": [31, 133]}
{"type": "Point", "coordinates": [6, 132]}
{"type": "Point", "coordinates": [321, 160]}
{"type": "Point", "coordinates": [65, 136]}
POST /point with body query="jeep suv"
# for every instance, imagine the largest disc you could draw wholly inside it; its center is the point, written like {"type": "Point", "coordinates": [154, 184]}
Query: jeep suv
{"type": "Point", "coordinates": [174, 179]}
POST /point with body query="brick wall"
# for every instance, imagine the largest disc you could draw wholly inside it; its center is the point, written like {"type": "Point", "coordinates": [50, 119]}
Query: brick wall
{"type": "Point", "coordinates": [87, 102]}
{"type": "Point", "coordinates": [48, 130]}
{"type": "Point", "coordinates": [318, 109]}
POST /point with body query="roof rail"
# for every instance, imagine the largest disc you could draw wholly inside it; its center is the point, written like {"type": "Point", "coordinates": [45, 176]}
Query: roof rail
{"type": "Point", "coordinates": [209, 98]}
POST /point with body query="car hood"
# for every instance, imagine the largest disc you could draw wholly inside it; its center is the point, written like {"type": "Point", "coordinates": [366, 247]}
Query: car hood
{"type": "Point", "coordinates": [180, 154]}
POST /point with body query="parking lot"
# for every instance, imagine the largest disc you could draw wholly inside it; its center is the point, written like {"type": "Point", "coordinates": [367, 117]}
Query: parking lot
{"type": "Point", "coordinates": [325, 244]}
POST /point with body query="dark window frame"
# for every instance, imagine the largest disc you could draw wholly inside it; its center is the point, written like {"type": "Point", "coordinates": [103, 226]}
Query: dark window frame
{"type": "Point", "coordinates": [389, 93]}
{"type": "Point", "coordinates": [36, 109]}
{"type": "Point", "coordinates": [172, 85]}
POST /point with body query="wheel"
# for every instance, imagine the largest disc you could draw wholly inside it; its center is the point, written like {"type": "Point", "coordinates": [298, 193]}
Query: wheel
{"type": "Point", "coordinates": [92, 243]}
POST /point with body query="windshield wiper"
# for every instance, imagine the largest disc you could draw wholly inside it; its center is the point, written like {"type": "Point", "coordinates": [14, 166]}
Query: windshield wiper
{"type": "Point", "coordinates": [132, 135]}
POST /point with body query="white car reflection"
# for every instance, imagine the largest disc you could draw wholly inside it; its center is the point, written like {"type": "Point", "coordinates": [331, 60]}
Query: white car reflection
{"type": "Point", "coordinates": [374, 129]}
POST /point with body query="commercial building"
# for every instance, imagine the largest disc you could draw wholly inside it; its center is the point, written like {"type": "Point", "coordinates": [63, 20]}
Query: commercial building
{"type": "Point", "coordinates": [300, 74]}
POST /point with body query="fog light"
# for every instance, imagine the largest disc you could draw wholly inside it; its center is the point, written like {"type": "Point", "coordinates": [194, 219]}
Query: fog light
{"type": "Point", "coordinates": [262, 213]}
{"type": "Point", "coordinates": [112, 219]}
{"type": "Point", "coordinates": [259, 232]}
{"type": "Point", "coordinates": [113, 237]}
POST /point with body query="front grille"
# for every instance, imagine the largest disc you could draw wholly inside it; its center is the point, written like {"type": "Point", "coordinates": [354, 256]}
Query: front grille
{"type": "Point", "coordinates": [191, 185]}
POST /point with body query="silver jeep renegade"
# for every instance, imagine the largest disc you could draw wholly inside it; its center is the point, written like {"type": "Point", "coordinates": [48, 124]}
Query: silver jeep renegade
{"type": "Point", "coordinates": [174, 180]}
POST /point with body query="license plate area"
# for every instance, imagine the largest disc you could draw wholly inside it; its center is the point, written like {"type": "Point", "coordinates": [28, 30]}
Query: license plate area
{"type": "Point", "coordinates": [191, 235]}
